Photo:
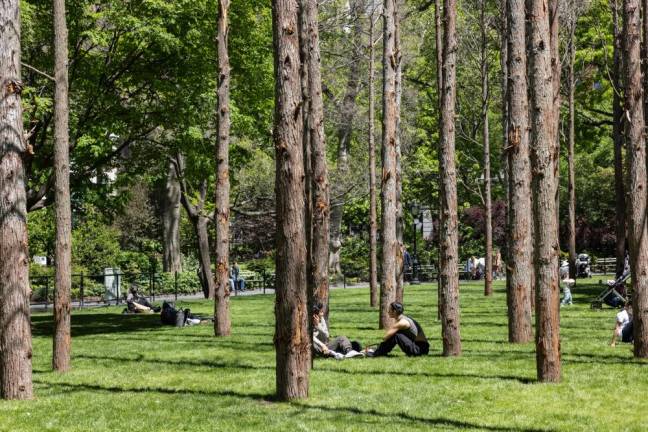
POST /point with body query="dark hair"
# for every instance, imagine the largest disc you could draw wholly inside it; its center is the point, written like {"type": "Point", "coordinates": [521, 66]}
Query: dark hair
{"type": "Point", "coordinates": [397, 307]}
{"type": "Point", "coordinates": [317, 308]}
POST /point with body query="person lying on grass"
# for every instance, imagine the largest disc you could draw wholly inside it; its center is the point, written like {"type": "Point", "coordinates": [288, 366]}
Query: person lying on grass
{"type": "Point", "coordinates": [339, 348]}
{"type": "Point", "coordinates": [138, 304]}
{"type": "Point", "coordinates": [623, 328]}
{"type": "Point", "coordinates": [405, 332]}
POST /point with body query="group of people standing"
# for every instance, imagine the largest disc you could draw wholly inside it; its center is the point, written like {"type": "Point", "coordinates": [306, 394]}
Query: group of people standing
{"type": "Point", "coordinates": [475, 268]}
{"type": "Point", "coordinates": [405, 332]}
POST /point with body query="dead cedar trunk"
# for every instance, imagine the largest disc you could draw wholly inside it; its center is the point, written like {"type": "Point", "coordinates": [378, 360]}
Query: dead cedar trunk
{"type": "Point", "coordinates": [571, 172]}
{"type": "Point", "coordinates": [291, 340]}
{"type": "Point", "coordinates": [519, 278]}
{"type": "Point", "coordinates": [373, 217]}
{"type": "Point", "coordinates": [448, 232]}
{"type": "Point", "coordinates": [15, 333]}
{"type": "Point", "coordinates": [617, 136]}
{"type": "Point", "coordinates": [488, 277]}
{"type": "Point", "coordinates": [222, 323]}
{"type": "Point", "coordinates": [637, 187]}
{"type": "Point", "coordinates": [544, 148]}
{"type": "Point", "coordinates": [62, 341]}
{"type": "Point", "coordinates": [319, 184]}
{"type": "Point", "coordinates": [171, 261]}
{"type": "Point", "coordinates": [390, 248]}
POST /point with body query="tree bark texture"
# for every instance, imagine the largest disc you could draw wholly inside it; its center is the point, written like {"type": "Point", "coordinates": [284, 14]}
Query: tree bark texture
{"type": "Point", "coordinates": [544, 150]}
{"type": "Point", "coordinates": [448, 229]}
{"type": "Point", "coordinates": [389, 184]}
{"type": "Point", "coordinates": [504, 56]}
{"type": "Point", "coordinates": [488, 277]}
{"type": "Point", "coordinates": [15, 330]}
{"type": "Point", "coordinates": [438, 38]}
{"type": "Point", "coordinates": [345, 133]}
{"type": "Point", "coordinates": [556, 69]}
{"type": "Point", "coordinates": [222, 323]}
{"type": "Point", "coordinates": [617, 136]}
{"type": "Point", "coordinates": [319, 247]}
{"type": "Point", "coordinates": [171, 223]}
{"type": "Point", "coordinates": [292, 341]}
{"type": "Point", "coordinates": [62, 341]}
{"type": "Point", "coordinates": [637, 187]}
{"type": "Point", "coordinates": [207, 277]}
{"type": "Point", "coordinates": [400, 268]}
{"type": "Point", "coordinates": [519, 262]}
{"type": "Point", "coordinates": [571, 172]}
{"type": "Point", "coordinates": [373, 217]}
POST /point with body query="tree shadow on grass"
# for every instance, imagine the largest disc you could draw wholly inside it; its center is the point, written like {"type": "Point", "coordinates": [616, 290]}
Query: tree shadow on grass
{"type": "Point", "coordinates": [98, 323]}
{"type": "Point", "coordinates": [202, 341]}
{"type": "Point", "coordinates": [520, 379]}
{"type": "Point", "coordinates": [261, 397]}
{"type": "Point", "coordinates": [216, 364]}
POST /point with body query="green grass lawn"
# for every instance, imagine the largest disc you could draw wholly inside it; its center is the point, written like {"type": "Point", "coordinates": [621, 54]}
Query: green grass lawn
{"type": "Point", "coordinates": [130, 374]}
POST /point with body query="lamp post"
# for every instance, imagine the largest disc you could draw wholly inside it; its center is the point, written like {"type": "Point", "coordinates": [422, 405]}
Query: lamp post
{"type": "Point", "coordinates": [415, 210]}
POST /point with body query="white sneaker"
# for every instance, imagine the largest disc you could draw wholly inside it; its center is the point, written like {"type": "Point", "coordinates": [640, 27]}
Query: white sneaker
{"type": "Point", "coordinates": [354, 353]}
{"type": "Point", "coordinates": [338, 356]}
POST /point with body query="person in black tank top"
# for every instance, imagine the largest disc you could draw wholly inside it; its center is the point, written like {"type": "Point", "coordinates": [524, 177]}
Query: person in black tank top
{"type": "Point", "coordinates": [405, 332]}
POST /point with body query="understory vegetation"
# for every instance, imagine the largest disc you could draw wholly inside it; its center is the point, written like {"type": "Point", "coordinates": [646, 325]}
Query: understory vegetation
{"type": "Point", "coordinates": [129, 373]}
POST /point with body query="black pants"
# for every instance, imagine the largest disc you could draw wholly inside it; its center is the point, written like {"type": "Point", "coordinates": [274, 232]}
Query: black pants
{"type": "Point", "coordinates": [409, 347]}
{"type": "Point", "coordinates": [340, 344]}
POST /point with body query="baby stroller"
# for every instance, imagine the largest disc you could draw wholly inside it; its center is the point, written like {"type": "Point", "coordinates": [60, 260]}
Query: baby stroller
{"type": "Point", "coordinates": [583, 263]}
{"type": "Point", "coordinates": [614, 294]}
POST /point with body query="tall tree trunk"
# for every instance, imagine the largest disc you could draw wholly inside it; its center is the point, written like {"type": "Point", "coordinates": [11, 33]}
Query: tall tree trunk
{"type": "Point", "coordinates": [571, 184]}
{"type": "Point", "coordinates": [15, 330]}
{"type": "Point", "coordinates": [438, 38]}
{"type": "Point", "coordinates": [544, 149]}
{"type": "Point", "coordinates": [171, 223]}
{"type": "Point", "coordinates": [556, 69]}
{"type": "Point", "coordinates": [400, 274]}
{"type": "Point", "coordinates": [207, 277]}
{"type": "Point", "coordinates": [617, 135]}
{"type": "Point", "coordinates": [319, 171]}
{"type": "Point", "coordinates": [519, 262]}
{"type": "Point", "coordinates": [62, 341]}
{"type": "Point", "coordinates": [291, 327]}
{"type": "Point", "coordinates": [344, 134]}
{"type": "Point", "coordinates": [389, 183]}
{"type": "Point", "coordinates": [504, 56]}
{"type": "Point", "coordinates": [373, 217]}
{"type": "Point", "coordinates": [448, 232]}
{"type": "Point", "coordinates": [222, 324]}
{"type": "Point", "coordinates": [488, 277]}
{"type": "Point", "coordinates": [637, 187]}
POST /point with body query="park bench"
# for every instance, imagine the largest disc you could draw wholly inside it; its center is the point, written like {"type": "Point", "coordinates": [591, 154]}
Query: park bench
{"type": "Point", "coordinates": [252, 279]}
{"type": "Point", "coordinates": [604, 265]}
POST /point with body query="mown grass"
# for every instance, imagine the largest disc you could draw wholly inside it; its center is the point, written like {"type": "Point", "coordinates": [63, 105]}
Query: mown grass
{"type": "Point", "coordinates": [131, 374]}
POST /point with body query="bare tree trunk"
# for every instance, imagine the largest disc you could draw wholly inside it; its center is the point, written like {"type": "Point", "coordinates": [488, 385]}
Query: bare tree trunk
{"type": "Point", "coordinates": [319, 171]}
{"type": "Point", "coordinates": [373, 217]}
{"type": "Point", "coordinates": [291, 327]}
{"type": "Point", "coordinates": [389, 183]}
{"type": "Point", "coordinates": [171, 220]}
{"type": "Point", "coordinates": [637, 187]}
{"type": "Point", "coordinates": [504, 59]}
{"type": "Point", "coordinates": [570, 154]}
{"type": "Point", "coordinates": [448, 232]}
{"type": "Point", "coordinates": [488, 277]}
{"type": "Point", "coordinates": [62, 341]}
{"type": "Point", "coordinates": [519, 263]}
{"type": "Point", "coordinates": [617, 135]}
{"type": "Point", "coordinates": [544, 149]}
{"type": "Point", "coordinates": [345, 132]}
{"type": "Point", "coordinates": [15, 330]}
{"type": "Point", "coordinates": [556, 69]}
{"type": "Point", "coordinates": [207, 277]}
{"type": "Point", "coordinates": [438, 36]}
{"type": "Point", "coordinates": [222, 324]}
{"type": "Point", "coordinates": [400, 268]}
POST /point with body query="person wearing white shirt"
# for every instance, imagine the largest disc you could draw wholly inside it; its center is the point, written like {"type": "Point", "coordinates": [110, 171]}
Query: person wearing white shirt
{"type": "Point", "coordinates": [623, 328]}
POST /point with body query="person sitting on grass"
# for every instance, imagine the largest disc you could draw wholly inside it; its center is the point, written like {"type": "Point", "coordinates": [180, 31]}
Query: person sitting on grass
{"type": "Point", "coordinates": [623, 328]}
{"type": "Point", "coordinates": [405, 332]}
{"type": "Point", "coordinates": [339, 348]}
{"type": "Point", "coordinates": [138, 304]}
